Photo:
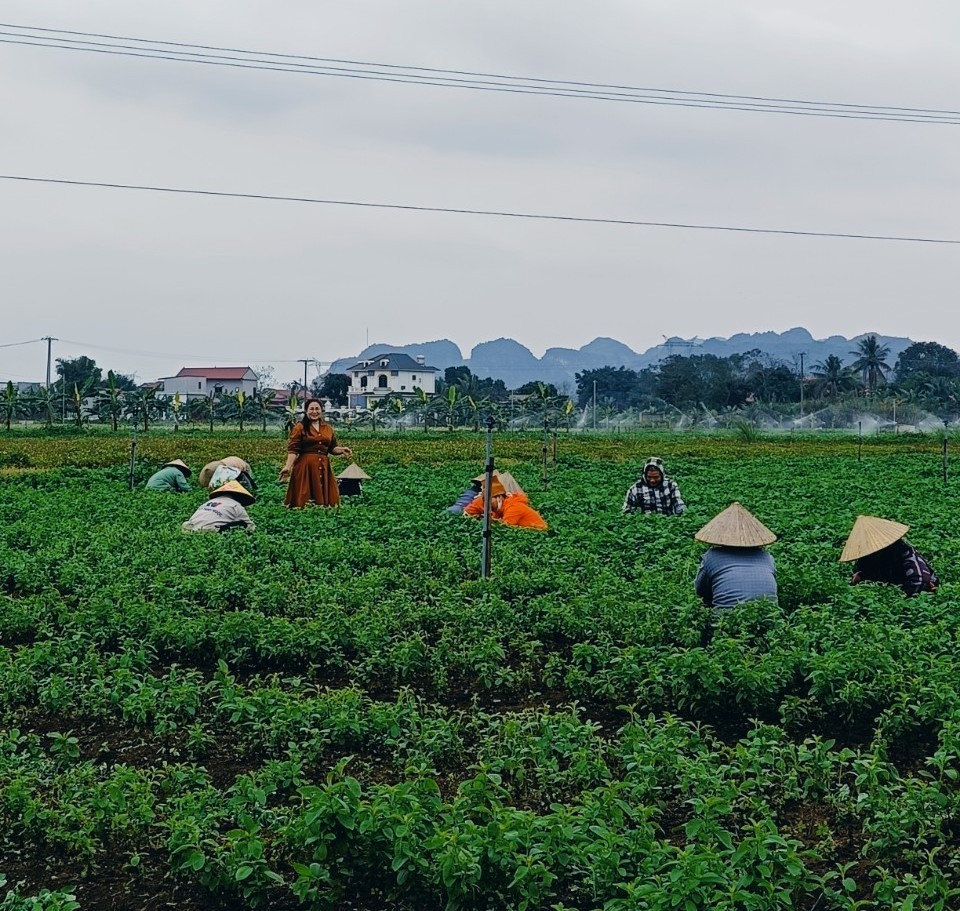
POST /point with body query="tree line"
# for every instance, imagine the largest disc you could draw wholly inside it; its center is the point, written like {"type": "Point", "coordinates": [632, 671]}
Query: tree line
{"type": "Point", "coordinates": [927, 375]}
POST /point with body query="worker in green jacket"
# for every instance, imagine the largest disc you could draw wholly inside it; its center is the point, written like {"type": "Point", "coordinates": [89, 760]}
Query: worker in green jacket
{"type": "Point", "coordinates": [172, 476]}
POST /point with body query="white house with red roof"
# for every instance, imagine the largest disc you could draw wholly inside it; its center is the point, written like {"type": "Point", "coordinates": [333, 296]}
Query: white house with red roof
{"type": "Point", "coordinates": [197, 382]}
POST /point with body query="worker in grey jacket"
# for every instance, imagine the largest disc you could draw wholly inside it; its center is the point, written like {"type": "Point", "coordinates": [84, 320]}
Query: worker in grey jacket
{"type": "Point", "coordinates": [736, 568]}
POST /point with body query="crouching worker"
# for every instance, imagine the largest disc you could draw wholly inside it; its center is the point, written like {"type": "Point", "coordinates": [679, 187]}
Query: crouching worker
{"type": "Point", "coordinates": [736, 568]}
{"type": "Point", "coordinates": [172, 476]}
{"type": "Point", "coordinates": [511, 509]}
{"type": "Point", "coordinates": [223, 511]}
{"type": "Point", "coordinates": [467, 497]}
{"type": "Point", "coordinates": [654, 492]}
{"type": "Point", "coordinates": [883, 556]}
{"type": "Point", "coordinates": [350, 480]}
{"type": "Point", "coordinates": [232, 468]}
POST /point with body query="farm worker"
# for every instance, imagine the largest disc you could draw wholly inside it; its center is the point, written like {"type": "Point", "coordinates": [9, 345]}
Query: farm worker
{"type": "Point", "coordinates": [232, 468]}
{"type": "Point", "coordinates": [510, 485]}
{"type": "Point", "coordinates": [224, 510]}
{"type": "Point", "coordinates": [736, 568]}
{"type": "Point", "coordinates": [467, 497]}
{"type": "Point", "coordinates": [171, 476]}
{"type": "Point", "coordinates": [509, 508]}
{"type": "Point", "coordinates": [654, 492]}
{"type": "Point", "coordinates": [883, 556]}
{"type": "Point", "coordinates": [349, 481]}
{"type": "Point", "coordinates": [312, 442]}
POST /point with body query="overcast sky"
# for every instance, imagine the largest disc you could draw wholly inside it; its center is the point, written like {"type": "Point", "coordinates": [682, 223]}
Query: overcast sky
{"type": "Point", "coordinates": [147, 283]}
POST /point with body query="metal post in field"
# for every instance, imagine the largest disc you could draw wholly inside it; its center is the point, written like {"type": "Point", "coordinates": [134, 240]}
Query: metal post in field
{"type": "Point", "coordinates": [486, 553]}
{"type": "Point", "coordinates": [133, 458]}
{"type": "Point", "coordinates": [543, 453]}
{"type": "Point", "coordinates": [945, 452]}
{"type": "Point", "coordinates": [859, 439]}
{"type": "Point", "coordinates": [802, 355]}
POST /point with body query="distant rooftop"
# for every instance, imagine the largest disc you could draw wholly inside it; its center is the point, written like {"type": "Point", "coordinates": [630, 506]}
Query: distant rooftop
{"type": "Point", "coordinates": [395, 361]}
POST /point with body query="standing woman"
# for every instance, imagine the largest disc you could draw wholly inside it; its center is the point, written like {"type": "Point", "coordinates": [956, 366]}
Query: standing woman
{"type": "Point", "coordinates": [312, 441]}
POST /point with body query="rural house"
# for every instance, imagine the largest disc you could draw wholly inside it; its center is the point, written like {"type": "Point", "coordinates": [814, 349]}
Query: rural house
{"type": "Point", "coordinates": [197, 382]}
{"type": "Point", "coordinates": [386, 374]}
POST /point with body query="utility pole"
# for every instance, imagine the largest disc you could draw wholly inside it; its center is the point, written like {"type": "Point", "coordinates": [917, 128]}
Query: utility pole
{"type": "Point", "coordinates": [49, 340]}
{"type": "Point", "coordinates": [305, 361]}
{"type": "Point", "coordinates": [594, 404]}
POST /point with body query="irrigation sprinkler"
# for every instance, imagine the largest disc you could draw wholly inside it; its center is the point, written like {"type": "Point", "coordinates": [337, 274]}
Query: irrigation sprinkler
{"type": "Point", "coordinates": [486, 551]}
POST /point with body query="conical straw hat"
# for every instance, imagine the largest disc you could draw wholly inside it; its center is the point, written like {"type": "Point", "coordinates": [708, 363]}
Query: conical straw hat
{"type": "Point", "coordinates": [206, 473]}
{"type": "Point", "coordinates": [237, 462]}
{"type": "Point", "coordinates": [178, 463]}
{"type": "Point", "coordinates": [235, 487]}
{"type": "Point", "coordinates": [510, 483]}
{"type": "Point", "coordinates": [354, 472]}
{"type": "Point", "coordinates": [735, 527]}
{"type": "Point", "coordinates": [870, 534]}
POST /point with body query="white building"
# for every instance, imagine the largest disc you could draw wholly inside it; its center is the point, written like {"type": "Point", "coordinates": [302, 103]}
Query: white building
{"type": "Point", "coordinates": [197, 382]}
{"type": "Point", "coordinates": [386, 374]}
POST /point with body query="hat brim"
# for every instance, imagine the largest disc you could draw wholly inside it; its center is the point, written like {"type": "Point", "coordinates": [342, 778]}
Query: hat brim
{"type": "Point", "coordinates": [869, 535]}
{"type": "Point", "coordinates": [735, 527]}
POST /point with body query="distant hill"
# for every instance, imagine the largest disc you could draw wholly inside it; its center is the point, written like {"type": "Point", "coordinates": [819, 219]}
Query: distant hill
{"type": "Point", "coordinates": [508, 360]}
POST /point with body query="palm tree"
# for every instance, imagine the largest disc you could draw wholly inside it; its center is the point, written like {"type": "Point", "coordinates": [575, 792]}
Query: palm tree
{"type": "Point", "coordinates": [871, 361]}
{"type": "Point", "coordinates": [941, 394]}
{"type": "Point", "coordinates": [832, 378]}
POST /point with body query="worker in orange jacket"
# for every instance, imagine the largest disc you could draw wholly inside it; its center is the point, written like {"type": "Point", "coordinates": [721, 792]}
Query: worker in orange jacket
{"type": "Point", "coordinates": [511, 509]}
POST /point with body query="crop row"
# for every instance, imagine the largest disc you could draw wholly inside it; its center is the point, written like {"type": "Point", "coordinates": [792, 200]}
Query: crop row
{"type": "Point", "coordinates": [338, 712]}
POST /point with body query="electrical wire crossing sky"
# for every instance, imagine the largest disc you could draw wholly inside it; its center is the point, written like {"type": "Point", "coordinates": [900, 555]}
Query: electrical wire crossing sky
{"type": "Point", "coordinates": [184, 188]}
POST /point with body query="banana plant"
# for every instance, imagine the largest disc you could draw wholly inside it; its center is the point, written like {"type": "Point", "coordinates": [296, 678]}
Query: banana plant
{"type": "Point", "coordinates": [77, 399]}
{"type": "Point", "coordinates": [110, 400]}
{"type": "Point", "coordinates": [12, 403]}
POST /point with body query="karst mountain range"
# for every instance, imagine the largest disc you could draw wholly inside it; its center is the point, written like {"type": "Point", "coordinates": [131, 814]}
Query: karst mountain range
{"type": "Point", "coordinates": [515, 364]}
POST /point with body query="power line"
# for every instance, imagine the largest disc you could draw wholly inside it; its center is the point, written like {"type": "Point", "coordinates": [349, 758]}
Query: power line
{"type": "Point", "coordinates": [180, 356]}
{"type": "Point", "coordinates": [146, 48]}
{"type": "Point", "coordinates": [31, 341]}
{"type": "Point", "coordinates": [532, 216]}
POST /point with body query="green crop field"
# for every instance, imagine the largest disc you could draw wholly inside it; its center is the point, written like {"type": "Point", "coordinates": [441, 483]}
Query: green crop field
{"type": "Point", "coordinates": [338, 712]}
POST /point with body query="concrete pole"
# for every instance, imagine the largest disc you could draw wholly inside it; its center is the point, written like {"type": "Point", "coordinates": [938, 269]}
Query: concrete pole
{"type": "Point", "coordinates": [49, 340]}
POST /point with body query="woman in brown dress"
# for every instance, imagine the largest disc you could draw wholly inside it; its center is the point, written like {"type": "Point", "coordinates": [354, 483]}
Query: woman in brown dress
{"type": "Point", "coordinates": [312, 441]}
